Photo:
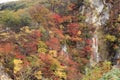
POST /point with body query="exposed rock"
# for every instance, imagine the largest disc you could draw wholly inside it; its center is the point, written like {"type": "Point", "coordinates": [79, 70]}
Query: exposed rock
{"type": "Point", "coordinates": [3, 74]}
{"type": "Point", "coordinates": [97, 15]}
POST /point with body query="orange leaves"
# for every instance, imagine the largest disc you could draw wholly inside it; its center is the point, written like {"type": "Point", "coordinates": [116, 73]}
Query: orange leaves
{"type": "Point", "coordinates": [58, 32]}
{"type": "Point", "coordinates": [6, 47]}
{"type": "Point", "coordinates": [1, 49]}
{"type": "Point", "coordinates": [67, 18]}
{"type": "Point", "coordinates": [76, 39]}
{"type": "Point", "coordinates": [53, 43]}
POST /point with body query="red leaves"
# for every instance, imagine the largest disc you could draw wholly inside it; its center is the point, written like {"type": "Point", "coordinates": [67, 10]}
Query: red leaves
{"type": "Point", "coordinates": [88, 48]}
{"type": "Point", "coordinates": [57, 18]}
{"type": "Point", "coordinates": [89, 42]}
{"type": "Point", "coordinates": [19, 56]}
{"type": "Point", "coordinates": [73, 28]}
{"type": "Point", "coordinates": [30, 47]}
{"type": "Point", "coordinates": [64, 29]}
{"type": "Point", "coordinates": [46, 69]}
{"type": "Point", "coordinates": [53, 43]}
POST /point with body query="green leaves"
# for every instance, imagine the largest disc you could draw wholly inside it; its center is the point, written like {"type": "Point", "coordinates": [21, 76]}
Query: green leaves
{"type": "Point", "coordinates": [113, 74]}
{"type": "Point", "coordinates": [14, 20]}
{"type": "Point", "coordinates": [97, 71]}
{"type": "Point", "coordinates": [110, 38]}
{"type": "Point", "coordinates": [7, 17]}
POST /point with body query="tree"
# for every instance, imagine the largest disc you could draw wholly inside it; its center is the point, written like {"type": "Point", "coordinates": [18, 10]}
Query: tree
{"type": "Point", "coordinates": [40, 14]}
{"type": "Point", "coordinates": [14, 20]}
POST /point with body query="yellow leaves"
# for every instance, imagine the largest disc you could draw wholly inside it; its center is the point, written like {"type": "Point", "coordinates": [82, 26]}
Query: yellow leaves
{"type": "Point", "coordinates": [4, 34]}
{"type": "Point", "coordinates": [43, 50]}
{"type": "Point", "coordinates": [79, 33]}
{"type": "Point", "coordinates": [119, 18]}
{"type": "Point", "coordinates": [34, 60]}
{"type": "Point", "coordinates": [17, 65]}
{"type": "Point", "coordinates": [42, 47]}
{"type": "Point", "coordinates": [51, 34]}
{"type": "Point", "coordinates": [53, 53]}
{"type": "Point", "coordinates": [38, 75]}
{"type": "Point", "coordinates": [26, 29]}
{"type": "Point", "coordinates": [54, 61]}
{"type": "Point", "coordinates": [17, 36]}
{"type": "Point", "coordinates": [61, 73]}
{"type": "Point", "coordinates": [42, 29]}
{"type": "Point", "coordinates": [19, 12]}
{"type": "Point", "coordinates": [42, 44]}
{"type": "Point", "coordinates": [17, 61]}
{"type": "Point", "coordinates": [67, 36]}
{"type": "Point", "coordinates": [61, 27]}
{"type": "Point", "coordinates": [106, 66]}
{"type": "Point", "coordinates": [55, 65]}
{"type": "Point", "coordinates": [110, 38]}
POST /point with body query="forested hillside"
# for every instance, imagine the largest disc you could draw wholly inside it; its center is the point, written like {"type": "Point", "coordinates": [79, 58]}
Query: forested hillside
{"type": "Point", "coordinates": [56, 40]}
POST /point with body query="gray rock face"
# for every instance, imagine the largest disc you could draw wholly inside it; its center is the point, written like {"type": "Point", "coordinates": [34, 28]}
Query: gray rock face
{"type": "Point", "coordinates": [3, 75]}
{"type": "Point", "coordinates": [97, 14]}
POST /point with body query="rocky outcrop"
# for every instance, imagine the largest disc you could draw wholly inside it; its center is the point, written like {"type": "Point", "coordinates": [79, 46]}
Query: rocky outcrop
{"type": "Point", "coordinates": [3, 74]}
{"type": "Point", "coordinates": [97, 14]}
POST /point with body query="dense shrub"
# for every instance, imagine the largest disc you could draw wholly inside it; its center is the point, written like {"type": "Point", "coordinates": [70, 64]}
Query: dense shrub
{"type": "Point", "coordinates": [112, 75]}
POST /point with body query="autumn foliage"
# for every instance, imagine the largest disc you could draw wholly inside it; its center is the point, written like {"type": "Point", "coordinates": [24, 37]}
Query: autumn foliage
{"type": "Point", "coordinates": [39, 53]}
